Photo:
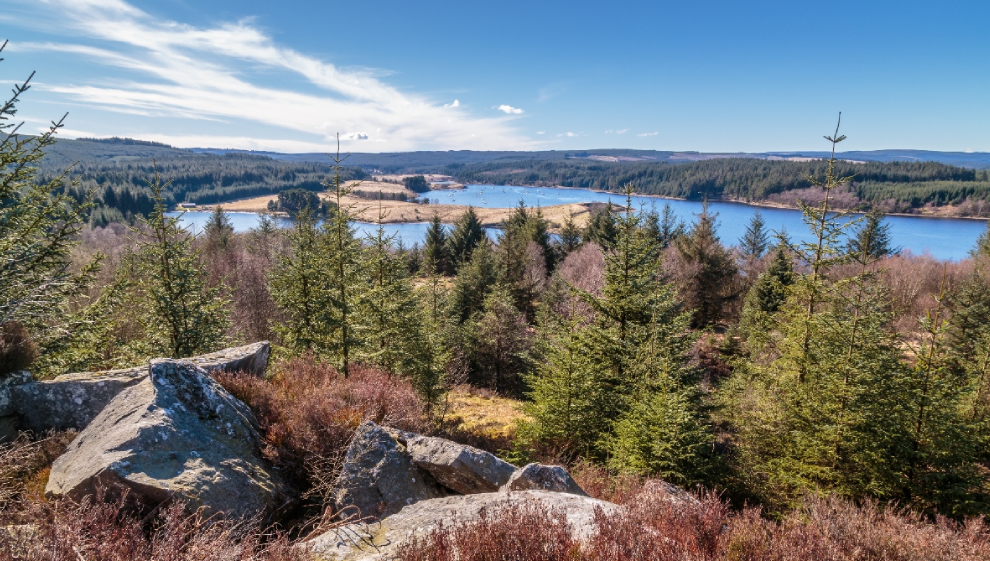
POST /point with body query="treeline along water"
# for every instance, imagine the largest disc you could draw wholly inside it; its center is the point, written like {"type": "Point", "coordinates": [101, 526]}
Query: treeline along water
{"type": "Point", "coordinates": [944, 238]}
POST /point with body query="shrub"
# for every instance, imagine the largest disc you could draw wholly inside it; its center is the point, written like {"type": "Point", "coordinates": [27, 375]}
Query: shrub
{"type": "Point", "coordinates": [95, 530]}
{"type": "Point", "coordinates": [25, 464]}
{"type": "Point", "coordinates": [308, 412]}
{"type": "Point", "coordinates": [17, 351]}
{"type": "Point", "coordinates": [511, 532]}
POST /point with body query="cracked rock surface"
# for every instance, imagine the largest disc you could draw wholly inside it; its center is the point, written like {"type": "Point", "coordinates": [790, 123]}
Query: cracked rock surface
{"type": "Point", "coordinates": [176, 433]}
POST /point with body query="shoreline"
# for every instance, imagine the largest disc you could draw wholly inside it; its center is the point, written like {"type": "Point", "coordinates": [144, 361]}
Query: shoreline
{"type": "Point", "coordinates": [403, 212]}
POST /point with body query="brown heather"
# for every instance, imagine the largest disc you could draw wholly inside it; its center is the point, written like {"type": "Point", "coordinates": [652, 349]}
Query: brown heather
{"type": "Point", "coordinates": [308, 413]}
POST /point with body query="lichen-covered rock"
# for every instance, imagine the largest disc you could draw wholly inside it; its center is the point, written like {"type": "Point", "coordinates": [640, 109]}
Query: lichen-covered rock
{"type": "Point", "coordinates": [9, 418]}
{"type": "Point", "coordinates": [378, 477]}
{"type": "Point", "coordinates": [175, 433]}
{"type": "Point", "coordinates": [252, 359]}
{"type": "Point", "coordinates": [543, 477]}
{"type": "Point", "coordinates": [376, 541]}
{"type": "Point", "coordinates": [460, 468]}
{"type": "Point", "coordinates": [72, 401]}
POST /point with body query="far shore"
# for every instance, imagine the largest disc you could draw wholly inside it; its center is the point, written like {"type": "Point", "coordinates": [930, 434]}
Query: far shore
{"type": "Point", "coordinates": [400, 212]}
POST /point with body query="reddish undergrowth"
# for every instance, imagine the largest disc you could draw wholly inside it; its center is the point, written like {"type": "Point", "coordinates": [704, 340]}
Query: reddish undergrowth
{"type": "Point", "coordinates": [96, 530]}
{"type": "Point", "coordinates": [308, 412]}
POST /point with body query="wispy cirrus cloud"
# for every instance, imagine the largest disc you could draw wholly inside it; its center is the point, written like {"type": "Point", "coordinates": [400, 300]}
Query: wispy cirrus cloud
{"type": "Point", "coordinates": [223, 74]}
{"type": "Point", "coordinates": [648, 134]}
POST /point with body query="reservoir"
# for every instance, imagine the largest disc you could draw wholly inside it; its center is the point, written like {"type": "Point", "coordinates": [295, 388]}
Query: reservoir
{"type": "Point", "coordinates": [943, 238]}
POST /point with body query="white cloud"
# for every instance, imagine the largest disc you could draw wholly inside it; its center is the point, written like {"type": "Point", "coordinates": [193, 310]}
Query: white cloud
{"type": "Point", "coordinates": [568, 134]}
{"type": "Point", "coordinates": [509, 110]}
{"type": "Point", "coordinates": [174, 70]}
{"type": "Point", "coordinates": [456, 103]}
{"type": "Point", "coordinates": [541, 132]}
{"type": "Point", "coordinates": [623, 131]}
{"type": "Point", "coordinates": [648, 134]}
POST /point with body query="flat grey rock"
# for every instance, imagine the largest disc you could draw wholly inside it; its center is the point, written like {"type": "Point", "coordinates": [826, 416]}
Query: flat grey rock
{"type": "Point", "coordinates": [382, 540]}
{"type": "Point", "coordinates": [545, 478]}
{"type": "Point", "coordinates": [463, 469]}
{"type": "Point", "coordinates": [72, 401]}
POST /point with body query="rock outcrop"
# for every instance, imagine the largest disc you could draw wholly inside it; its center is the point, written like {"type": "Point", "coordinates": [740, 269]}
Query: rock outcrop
{"type": "Point", "coordinates": [176, 433]}
{"type": "Point", "coordinates": [545, 478]}
{"type": "Point", "coordinates": [375, 541]}
{"type": "Point", "coordinates": [10, 419]}
{"type": "Point", "coordinates": [72, 401]}
{"type": "Point", "coordinates": [460, 468]}
{"type": "Point", "coordinates": [378, 477]}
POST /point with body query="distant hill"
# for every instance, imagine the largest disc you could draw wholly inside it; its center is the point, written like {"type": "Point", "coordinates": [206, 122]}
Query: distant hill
{"type": "Point", "coordinates": [975, 160]}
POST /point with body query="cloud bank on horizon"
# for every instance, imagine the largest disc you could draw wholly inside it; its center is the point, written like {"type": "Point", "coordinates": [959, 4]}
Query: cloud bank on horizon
{"type": "Point", "coordinates": [235, 77]}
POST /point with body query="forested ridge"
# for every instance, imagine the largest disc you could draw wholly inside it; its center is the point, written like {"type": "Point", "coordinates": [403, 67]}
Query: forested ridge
{"type": "Point", "coordinates": [895, 186]}
{"type": "Point", "coordinates": [122, 192]}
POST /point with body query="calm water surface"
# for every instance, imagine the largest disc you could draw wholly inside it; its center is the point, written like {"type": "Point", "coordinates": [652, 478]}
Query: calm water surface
{"type": "Point", "coordinates": [944, 238]}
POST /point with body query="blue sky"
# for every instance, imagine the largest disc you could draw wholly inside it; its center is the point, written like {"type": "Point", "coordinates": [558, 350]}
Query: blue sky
{"type": "Point", "coordinates": [710, 76]}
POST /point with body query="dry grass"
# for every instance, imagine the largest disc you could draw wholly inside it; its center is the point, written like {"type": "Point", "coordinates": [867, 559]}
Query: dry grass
{"type": "Point", "coordinates": [402, 212]}
{"type": "Point", "coordinates": [482, 418]}
{"type": "Point", "coordinates": [25, 465]}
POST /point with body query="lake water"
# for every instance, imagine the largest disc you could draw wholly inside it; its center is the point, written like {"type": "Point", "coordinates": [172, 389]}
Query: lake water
{"type": "Point", "coordinates": [944, 238]}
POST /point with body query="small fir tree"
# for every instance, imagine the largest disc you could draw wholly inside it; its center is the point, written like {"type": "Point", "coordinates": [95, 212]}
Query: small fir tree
{"type": "Point", "coordinates": [466, 235]}
{"type": "Point", "coordinates": [755, 241]}
{"type": "Point", "coordinates": [709, 284]}
{"type": "Point", "coordinates": [182, 315]}
{"type": "Point", "coordinates": [570, 235]}
{"type": "Point", "coordinates": [436, 251]}
{"type": "Point", "coordinates": [219, 230]}
{"type": "Point", "coordinates": [871, 241]}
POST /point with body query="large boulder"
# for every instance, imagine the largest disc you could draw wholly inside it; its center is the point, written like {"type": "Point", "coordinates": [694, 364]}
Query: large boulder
{"type": "Point", "coordinates": [460, 468]}
{"type": "Point", "coordinates": [545, 478]}
{"type": "Point", "coordinates": [382, 540]}
{"type": "Point", "coordinates": [378, 477]}
{"type": "Point", "coordinates": [72, 401]}
{"type": "Point", "coordinates": [174, 433]}
{"type": "Point", "coordinates": [10, 419]}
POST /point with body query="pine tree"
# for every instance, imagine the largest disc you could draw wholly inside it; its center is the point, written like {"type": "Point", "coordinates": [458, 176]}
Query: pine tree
{"type": "Point", "coordinates": [871, 240]}
{"type": "Point", "coordinates": [39, 223]}
{"type": "Point", "coordinates": [436, 251]}
{"type": "Point", "coordinates": [344, 275]}
{"type": "Point", "coordinates": [473, 283]}
{"type": "Point", "coordinates": [709, 284]}
{"type": "Point", "coordinates": [433, 352]}
{"type": "Point", "coordinates": [601, 227]}
{"type": "Point", "coordinates": [671, 227]}
{"type": "Point", "coordinates": [982, 248]}
{"type": "Point", "coordinates": [634, 352]}
{"type": "Point", "coordinates": [570, 235]}
{"type": "Point", "coordinates": [501, 349]}
{"type": "Point", "coordinates": [767, 295]}
{"type": "Point", "coordinates": [388, 311]}
{"type": "Point", "coordinates": [298, 286]}
{"type": "Point", "coordinates": [466, 235]}
{"type": "Point", "coordinates": [182, 315]}
{"type": "Point", "coordinates": [823, 392]}
{"type": "Point", "coordinates": [755, 241]}
{"type": "Point", "coordinates": [219, 230]}
{"type": "Point", "coordinates": [564, 391]}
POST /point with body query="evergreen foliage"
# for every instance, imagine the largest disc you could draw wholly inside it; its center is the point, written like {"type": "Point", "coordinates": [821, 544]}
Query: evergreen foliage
{"type": "Point", "coordinates": [570, 235]}
{"type": "Point", "coordinates": [871, 240]}
{"type": "Point", "coordinates": [768, 294]}
{"type": "Point", "coordinates": [982, 248]}
{"type": "Point", "coordinates": [466, 235]}
{"type": "Point", "coordinates": [436, 251]}
{"type": "Point", "coordinates": [219, 229]}
{"type": "Point", "coordinates": [756, 240]}
{"type": "Point", "coordinates": [181, 316]}
{"type": "Point", "coordinates": [601, 227]}
{"type": "Point", "coordinates": [707, 284]}
{"type": "Point", "coordinates": [39, 223]}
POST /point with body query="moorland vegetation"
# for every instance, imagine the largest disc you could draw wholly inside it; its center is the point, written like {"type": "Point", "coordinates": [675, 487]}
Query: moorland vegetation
{"type": "Point", "coordinates": [828, 399]}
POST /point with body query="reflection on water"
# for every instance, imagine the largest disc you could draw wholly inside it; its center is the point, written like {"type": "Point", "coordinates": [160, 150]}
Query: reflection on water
{"type": "Point", "coordinates": [944, 238]}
